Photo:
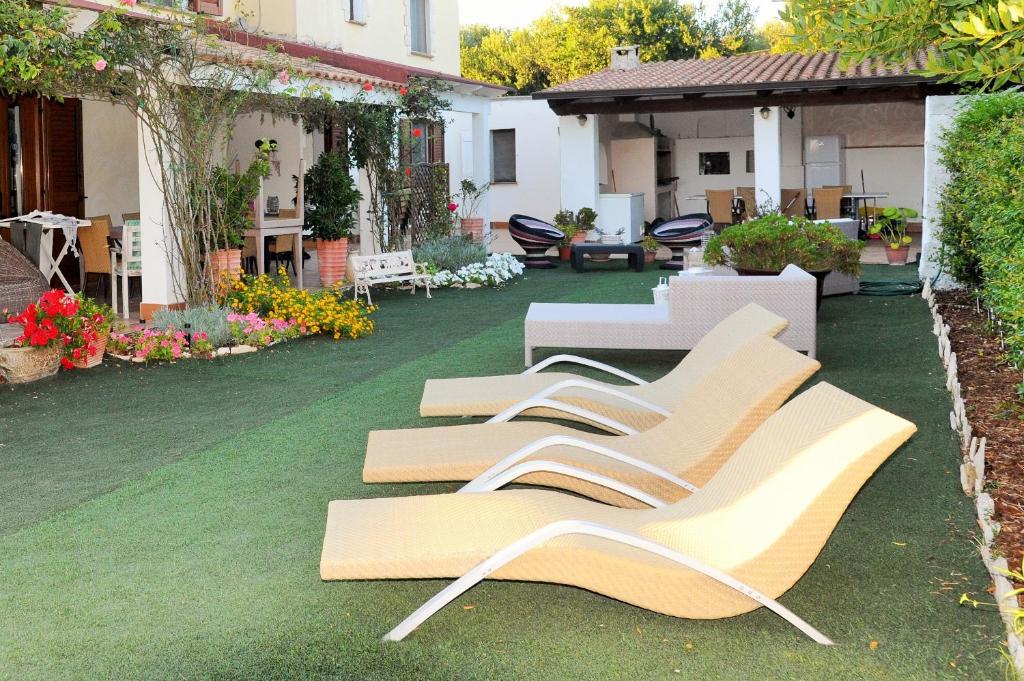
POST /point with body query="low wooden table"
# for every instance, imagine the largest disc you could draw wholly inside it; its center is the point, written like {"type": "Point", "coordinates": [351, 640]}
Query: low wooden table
{"type": "Point", "coordinates": [634, 253]}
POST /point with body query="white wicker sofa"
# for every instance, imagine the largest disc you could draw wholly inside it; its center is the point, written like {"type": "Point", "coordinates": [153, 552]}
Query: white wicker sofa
{"type": "Point", "coordinates": [695, 305]}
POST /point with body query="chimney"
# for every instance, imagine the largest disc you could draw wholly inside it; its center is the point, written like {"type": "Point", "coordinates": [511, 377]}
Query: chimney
{"type": "Point", "coordinates": [626, 57]}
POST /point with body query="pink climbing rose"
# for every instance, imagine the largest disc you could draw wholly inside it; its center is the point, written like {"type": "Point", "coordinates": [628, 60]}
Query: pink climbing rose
{"type": "Point", "coordinates": [130, 3]}
{"type": "Point", "coordinates": [282, 77]}
{"type": "Point", "coordinates": [452, 207]}
{"type": "Point", "coordinates": [100, 64]}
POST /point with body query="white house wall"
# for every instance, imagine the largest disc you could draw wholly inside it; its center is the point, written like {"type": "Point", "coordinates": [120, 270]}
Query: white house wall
{"type": "Point", "coordinates": [110, 160]}
{"type": "Point", "coordinates": [538, 168]}
{"type": "Point", "coordinates": [940, 113]}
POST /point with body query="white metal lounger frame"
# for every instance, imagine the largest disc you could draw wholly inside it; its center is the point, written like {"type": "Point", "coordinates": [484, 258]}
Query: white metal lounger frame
{"type": "Point", "coordinates": [576, 359]}
{"type": "Point", "coordinates": [568, 527]}
{"type": "Point", "coordinates": [513, 467]}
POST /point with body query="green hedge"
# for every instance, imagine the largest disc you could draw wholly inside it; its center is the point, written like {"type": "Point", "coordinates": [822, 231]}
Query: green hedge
{"type": "Point", "coordinates": [982, 227]}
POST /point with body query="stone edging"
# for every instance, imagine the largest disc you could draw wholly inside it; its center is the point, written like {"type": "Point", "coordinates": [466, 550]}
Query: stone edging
{"type": "Point", "coordinates": [972, 479]}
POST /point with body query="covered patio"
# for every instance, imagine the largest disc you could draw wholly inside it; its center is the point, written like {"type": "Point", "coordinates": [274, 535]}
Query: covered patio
{"type": "Point", "coordinates": [757, 130]}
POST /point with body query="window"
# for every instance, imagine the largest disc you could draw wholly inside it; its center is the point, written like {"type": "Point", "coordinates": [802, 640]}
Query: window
{"type": "Point", "coordinates": [357, 11]}
{"type": "Point", "coordinates": [422, 142]}
{"type": "Point", "coordinates": [713, 163]}
{"type": "Point", "coordinates": [420, 32]}
{"type": "Point", "coordinates": [750, 160]}
{"type": "Point", "coordinates": [503, 155]}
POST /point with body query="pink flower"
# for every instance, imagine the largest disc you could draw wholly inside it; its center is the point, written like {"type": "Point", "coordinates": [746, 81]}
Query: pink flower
{"type": "Point", "coordinates": [452, 207]}
{"type": "Point", "coordinates": [129, 3]}
{"type": "Point", "coordinates": [100, 64]}
{"type": "Point", "coordinates": [367, 86]}
{"type": "Point", "coordinates": [282, 77]}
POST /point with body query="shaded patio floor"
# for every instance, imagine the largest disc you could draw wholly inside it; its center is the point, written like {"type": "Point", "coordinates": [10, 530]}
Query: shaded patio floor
{"type": "Point", "coordinates": [166, 521]}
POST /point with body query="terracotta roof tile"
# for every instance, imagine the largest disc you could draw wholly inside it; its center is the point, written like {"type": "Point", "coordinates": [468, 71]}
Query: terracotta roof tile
{"type": "Point", "coordinates": [747, 71]}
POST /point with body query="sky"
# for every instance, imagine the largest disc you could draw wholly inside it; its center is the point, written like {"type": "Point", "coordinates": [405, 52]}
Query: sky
{"type": "Point", "coordinates": [522, 12]}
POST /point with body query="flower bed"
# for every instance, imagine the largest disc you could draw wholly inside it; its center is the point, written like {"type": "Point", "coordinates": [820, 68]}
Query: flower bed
{"type": "Point", "coordinates": [497, 270]}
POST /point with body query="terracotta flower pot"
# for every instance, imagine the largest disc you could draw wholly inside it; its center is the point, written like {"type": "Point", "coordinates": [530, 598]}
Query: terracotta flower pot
{"type": "Point", "coordinates": [580, 236]}
{"type": "Point", "coordinates": [96, 358]}
{"type": "Point", "coordinates": [225, 263]}
{"type": "Point", "coordinates": [897, 256]}
{"type": "Point", "coordinates": [24, 365]}
{"type": "Point", "coordinates": [333, 260]}
{"type": "Point", "coordinates": [649, 256]}
{"type": "Point", "coordinates": [564, 253]}
{"type": "Point", "coordinates": [474, 228]}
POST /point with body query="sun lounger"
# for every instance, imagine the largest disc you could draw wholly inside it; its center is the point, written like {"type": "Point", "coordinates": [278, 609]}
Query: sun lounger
{"type": "Point", "coordinates": [657, 466]}
{"type": "Point", "coordinates": [739, 543]}
{"type": "Point", "coordinates": [608, 406]}
{"type": "Point", "coordinates": [696, 304]}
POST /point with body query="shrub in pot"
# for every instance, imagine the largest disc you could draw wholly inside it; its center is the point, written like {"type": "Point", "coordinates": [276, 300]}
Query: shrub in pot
{"type": "Point", "coordinates": [891, 227]}
{"type": "Point", "coordinates": [571, 231]}
{"type": "Point", "coordinates": [231, 201]}
{"type": "Point", "coordinates": [467, 200]}
{"type": "Point", "coordinates": [650, 247]}
{"type": "Point", "coordinates": [765, 245]}
{"type": "Point", "coordinates": [586, 218]}
{"type": "Point", "coordinates": [332, 200]}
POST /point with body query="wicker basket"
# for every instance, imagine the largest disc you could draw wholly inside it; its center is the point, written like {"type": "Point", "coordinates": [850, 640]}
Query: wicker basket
{"type": "Point", "coordinates": [96, 358]}
{"type": "Point", "coordinates": [24, 365]}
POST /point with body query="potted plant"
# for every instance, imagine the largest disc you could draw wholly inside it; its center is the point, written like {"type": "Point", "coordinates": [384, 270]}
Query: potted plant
{"type": "Point", "coordinates": [765, 245]}
{"type": "Point", "coordinates": [231, 201]}
{"type": "Point", "coordinates": [87, 340]}
{"type": "Point", "coordinates": [39, 351]}
{"type": "Point", "coordinates": [586, 218]}
{"type": "Point", "coordinates": [650, 247]}
{"type": "Point", "coordinates": [331, 203]}
{"type": "Point", "coordinates": [467, 200]}
{"type": "Point", "coordinates": [891, 227]}
{"type": "Point", "coordinates": [571, 231]}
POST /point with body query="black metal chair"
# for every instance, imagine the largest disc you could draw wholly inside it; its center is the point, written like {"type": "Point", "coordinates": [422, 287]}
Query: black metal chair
{"type": "Point", "coordinates": [679, 233]}
{"type": "Point", "coordinates": [535, 237]}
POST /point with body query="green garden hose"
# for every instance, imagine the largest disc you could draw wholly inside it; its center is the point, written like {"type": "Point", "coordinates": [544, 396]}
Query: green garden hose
{"type": "Point", "coordinates": [890, 288]}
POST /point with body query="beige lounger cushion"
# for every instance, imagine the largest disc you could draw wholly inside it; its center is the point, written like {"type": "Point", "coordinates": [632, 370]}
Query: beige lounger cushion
{"type": "Point", "coordinates": [489, 395]}
{"type": "Point", "coordinates": [693, 443]}
{"type": "Point", "coordinates": [763, 519]}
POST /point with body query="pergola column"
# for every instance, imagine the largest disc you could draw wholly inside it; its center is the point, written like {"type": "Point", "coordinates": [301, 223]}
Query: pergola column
{"type": "Point", "coordinates": [768, 155]}
{"type": "Point", "coordinates": [581, 161]}
{"type": "Point", "coordinates": [162, 277]}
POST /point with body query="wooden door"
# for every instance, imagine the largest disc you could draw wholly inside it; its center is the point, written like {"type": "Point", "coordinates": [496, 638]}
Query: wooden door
{"type": "Point", "coordinates": [62, 157]}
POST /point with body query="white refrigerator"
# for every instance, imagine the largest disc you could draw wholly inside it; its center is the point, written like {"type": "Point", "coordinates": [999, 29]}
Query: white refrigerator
{"type": "Point", "coordinates": [824, 161]}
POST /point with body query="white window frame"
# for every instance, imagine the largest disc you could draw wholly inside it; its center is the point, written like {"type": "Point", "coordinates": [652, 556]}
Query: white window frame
{"type": "Point", "coordinates": [426, 52]}
{"type": "Point", "coordinates": [356, 10]}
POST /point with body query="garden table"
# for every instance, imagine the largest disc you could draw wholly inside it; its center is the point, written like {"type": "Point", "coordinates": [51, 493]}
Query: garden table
{"type": "Point", "coordinates": [634, 253]}
{"type": "Point", "coordinates": [49, 264]}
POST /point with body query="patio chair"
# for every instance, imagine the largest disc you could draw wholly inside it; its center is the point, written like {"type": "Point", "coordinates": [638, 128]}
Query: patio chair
{"type": "Point", "coordinates": [828, 203]}
{"type": "Point", "coordinates": [720, 206]}
{"type": "Point", "coordinates": [125, 262]}
{"type": "Point", "coordinates": [748, 199]}
{"type": "Point", "coordinates": [530, 392]}
{"type": "Point", "coordinates": [659, 465]}
{"type": "Point", "coordinates": [93, 242]}
{"type": "Point", "coordinates": [737, 545]}
{"type": "Point", "coordinates": [21, 282]}
{"type": "Point", "coordinates": [678, 233]}
{"type": "Point", "coordinates": [535, 237]}
{"type": "Point", "coordinates": [794, 203]}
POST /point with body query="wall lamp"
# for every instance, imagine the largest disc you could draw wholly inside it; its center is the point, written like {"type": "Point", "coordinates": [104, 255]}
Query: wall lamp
{"type": "Point", "coordinates": [790, 112]}
{"type": "Point", "coordinates": [765, 112]}
{"type": "Point", "coordinates": [582, 118]}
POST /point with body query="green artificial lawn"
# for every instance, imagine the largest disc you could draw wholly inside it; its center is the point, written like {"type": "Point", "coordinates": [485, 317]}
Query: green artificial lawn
{"type": "Point", "coordinates": [166, 521]}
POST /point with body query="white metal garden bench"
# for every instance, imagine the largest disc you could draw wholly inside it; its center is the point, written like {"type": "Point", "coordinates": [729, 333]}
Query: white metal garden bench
{"type": "Point", "coordinates": [384, 268]}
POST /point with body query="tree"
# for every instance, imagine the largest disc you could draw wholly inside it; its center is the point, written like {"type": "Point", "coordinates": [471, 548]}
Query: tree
{"type": "Point", "coordinates": [976, 42]}
{"type": "Point", "coordinates": [777, 35]}
{"type": "Point", "coordinates": [571, 42]}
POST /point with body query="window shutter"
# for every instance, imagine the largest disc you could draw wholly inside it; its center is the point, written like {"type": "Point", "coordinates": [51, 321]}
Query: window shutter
{"type": "Point", "coordinates": [357, 11]}
{"type": "Point", "coordinates": [405, 140]}
{"type": "Point", "coordinates": [503, 155]}
{"type": "Point", "coordinates": [208, 6]}
{"type": "Point", "coordinates": [437, 142]}
{"type": "Point", "coordinates": [336, 139]}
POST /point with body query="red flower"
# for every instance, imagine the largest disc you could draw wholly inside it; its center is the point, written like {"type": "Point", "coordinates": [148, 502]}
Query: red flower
{"type": "Point", "coordinates": [67, 363]}
{"type": "Point", "coordinates": [416, 132]}
{"type": "Point", "coordinates": [77, 353]}
{"type": "Point", "coordinates": [408, 172]}
{"type": "Point", "coordinates": [367, 86]}
{"type": "Point", "coordinates": [452, 207]}
{"type": "Point", "coordinates": [403, 91]}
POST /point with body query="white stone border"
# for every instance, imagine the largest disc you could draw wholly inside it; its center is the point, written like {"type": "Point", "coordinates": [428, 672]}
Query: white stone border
{"type": "Point", "coordinates": [972, 479]}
